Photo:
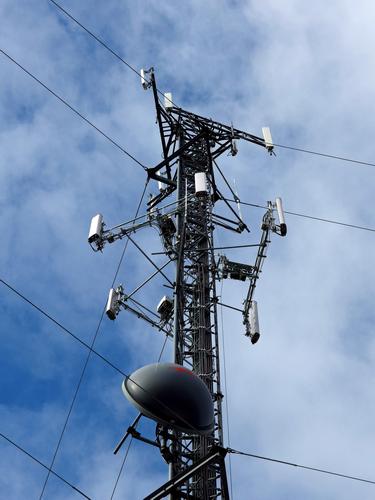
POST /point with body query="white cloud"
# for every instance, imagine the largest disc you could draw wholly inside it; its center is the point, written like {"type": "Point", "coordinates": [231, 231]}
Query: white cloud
{"type": "Point", "coordinates": [304, 392]}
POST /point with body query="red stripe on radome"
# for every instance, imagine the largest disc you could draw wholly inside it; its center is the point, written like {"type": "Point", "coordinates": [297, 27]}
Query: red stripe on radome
{"type": "Point", "coordinates": [182, 369]}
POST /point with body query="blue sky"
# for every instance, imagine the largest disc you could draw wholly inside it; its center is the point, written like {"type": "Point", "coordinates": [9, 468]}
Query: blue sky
{"type": "Point", "coordinates": [304, 393]}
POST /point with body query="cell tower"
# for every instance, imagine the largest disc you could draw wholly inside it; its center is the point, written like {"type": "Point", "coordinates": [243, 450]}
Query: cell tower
{"type": "Point", "coordinates": [185, 397]}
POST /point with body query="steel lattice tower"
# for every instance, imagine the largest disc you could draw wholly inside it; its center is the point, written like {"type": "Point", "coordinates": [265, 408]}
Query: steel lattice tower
{"type": "Point", "coordinates": [195, 316]}
{"type": "Point", "coordinates": [190, 145]}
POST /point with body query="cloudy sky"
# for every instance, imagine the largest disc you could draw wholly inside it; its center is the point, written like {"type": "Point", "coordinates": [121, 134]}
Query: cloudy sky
{"type": "Point", "coordinates": [305, 392]}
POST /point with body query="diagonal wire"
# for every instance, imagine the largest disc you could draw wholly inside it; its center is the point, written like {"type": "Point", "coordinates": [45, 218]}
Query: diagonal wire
{"type": "Point", "coordinates": [60, 325]}
{"type": "Point", "coordinates": [326, 155]}
{"type": "Point", "coordinates": [74, 109]}
{"type": "Point", "coordinates": [174, 413]}
{"type": "Point", "coordinates": [230, 450]}
{"type": "Point", "coordinates": [315, 469]}
{"type": "Point", "coordinates": [131, 438]}
{"type": "Point", "coordinates": [106, 46]}
{"type": "Point", "coordinates": [320, 219]}
{"type": "Point", "coordinates": [103, 358]}
{"type": "Point", "coordinates": [226, 390]}
{"type": "Point", "coordinates": [95, 37]}
{"type": "Point", "coordinates": [354, 226]}
{"type": "Point", "coordinates": [148, 258]}
{"type": "Point", "coordinates": [147, 280]}
{"type": "Point", "coordinates": [307, 151]}
{"type": "Point", "coordinates": [127, 241]}
{"type": "Point", "coordinates": [71, 406]}
{"type": "Point", "coordinates": [13, 443]}
{"type": "Point", "coordinates": [163, 347]}
{"type": "Point", "coordinates": [115, 54]}
{"type": "Point", "coordinates": [121, 468]}
{"type": "Point", "coordinates": [155, 398]}
{"type": "Point", "coordinates": [87, 359]}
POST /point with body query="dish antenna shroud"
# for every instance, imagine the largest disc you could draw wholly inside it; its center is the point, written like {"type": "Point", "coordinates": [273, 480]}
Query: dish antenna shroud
{"type": "Point", "coordinates": [172, 395]}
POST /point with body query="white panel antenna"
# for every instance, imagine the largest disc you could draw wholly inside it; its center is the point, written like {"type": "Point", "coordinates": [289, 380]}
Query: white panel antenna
{"type": "Point", "coordinates": [233, 146]}
{"type": "Point", "coordinates": [112, 307]}
{"type": "Point", "coordinates": [254, 322]}
{"type": "Point", "coordinates": [267, 138]}
{"type": "Point", "coordinates": [200, 184]}
{"type": "Point", "coordinates": [168, 104]}
{"type": "Point", "coordinates": [161, 184]}
{"type": "Point", "coordinates": [144, 82]}
{"type": "Point", "coordinates": [96, 228]}
{"type": "Point", "coordinates": [280, 214]}
{"type": "Point", "coordinates": [237, 199]}
{"type": "Point", "coordinates": [165, 308]}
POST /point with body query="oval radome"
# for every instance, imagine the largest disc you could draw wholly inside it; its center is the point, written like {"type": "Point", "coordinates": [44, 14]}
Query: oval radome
{"type": "Point", "coordinates": [172, 395]}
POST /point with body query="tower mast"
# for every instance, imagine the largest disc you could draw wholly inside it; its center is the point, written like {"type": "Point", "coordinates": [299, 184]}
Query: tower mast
{"type": "Point", "coordinates": [190, 144]}
{"type": "Point", "coordinates": [195, 316]}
